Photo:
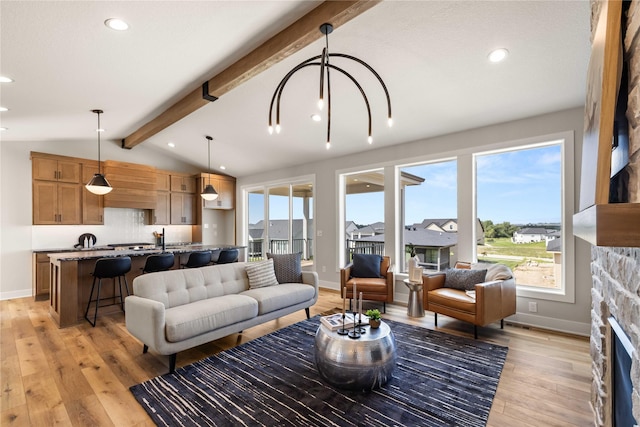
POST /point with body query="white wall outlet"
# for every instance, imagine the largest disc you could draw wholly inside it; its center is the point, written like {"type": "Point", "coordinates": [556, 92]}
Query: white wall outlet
{"type": "Point", "coordinates": [319, 233]}
{"type": "Point", "coordinates": [206, 226]}
{"type": "Point", "coordinates": [533, 307]}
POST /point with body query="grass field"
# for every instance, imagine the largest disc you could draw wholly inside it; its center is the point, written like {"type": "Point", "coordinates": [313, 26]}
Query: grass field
{"type": "Point", "coordinates": [504, 246]}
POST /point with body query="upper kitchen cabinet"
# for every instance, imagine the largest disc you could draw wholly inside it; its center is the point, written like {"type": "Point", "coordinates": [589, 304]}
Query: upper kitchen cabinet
{"type": "Point", "coordinates": [163, 180]}
{"type": "Point", "coordinates": [92, 204]}
{"type": "Point", "coordinates": [224, 185]}
{"type": "Point", "coordinates": [134, 185]}
{"type": "Point", "coordinates": [48, 167]}
{"type": "Point", "coordinates": [183, 183]}
{"type": "Point", "coordinates": [56, 189]}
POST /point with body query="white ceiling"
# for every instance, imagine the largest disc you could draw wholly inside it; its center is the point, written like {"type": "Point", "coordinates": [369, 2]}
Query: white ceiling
{"type": "Point", "coordinates": [431, 54]}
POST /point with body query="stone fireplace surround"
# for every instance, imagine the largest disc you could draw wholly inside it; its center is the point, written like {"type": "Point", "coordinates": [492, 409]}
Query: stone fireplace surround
{"type": "Point", "coordinates": [616, 271]}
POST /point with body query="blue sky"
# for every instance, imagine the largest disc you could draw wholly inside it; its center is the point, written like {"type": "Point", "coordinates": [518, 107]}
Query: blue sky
{"type": "Point", "coordinates": [516, 186]}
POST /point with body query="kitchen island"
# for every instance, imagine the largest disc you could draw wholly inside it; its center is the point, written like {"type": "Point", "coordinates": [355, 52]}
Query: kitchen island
{"type": "Point", "coordinates": [71, 278]}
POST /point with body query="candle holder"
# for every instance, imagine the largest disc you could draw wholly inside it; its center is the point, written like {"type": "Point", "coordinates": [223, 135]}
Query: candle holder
{"type": "Point", "coordinates": [355, 333]}
{"type": "Point", "coordinates": [361, 328]}
{"type": "Point", "coordinates": [343, 331]}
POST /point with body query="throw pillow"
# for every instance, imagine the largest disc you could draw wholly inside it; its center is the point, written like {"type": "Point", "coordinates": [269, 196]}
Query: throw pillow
{"type": "Point", "coordinates": [261, 274]}
{"type": "Point", "coordinates": [498, 272]}
{"type": "Point", "coordinates": [366, 265]}
{"type": "Point", "coordinates": [288, 267]}
{"type": "Point", "coordinates": [462, 279]}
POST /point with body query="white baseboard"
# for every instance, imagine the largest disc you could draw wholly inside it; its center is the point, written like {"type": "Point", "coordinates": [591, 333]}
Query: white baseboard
{"type": "Point", "coordinates": [550, 323]}
{"type": "Point", "coordinates": [16, 294]}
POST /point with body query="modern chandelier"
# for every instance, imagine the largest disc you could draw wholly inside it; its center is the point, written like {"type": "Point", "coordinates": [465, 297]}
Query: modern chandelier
{"type": "Point", "coordinates": [323, 61]}
{"type": "Point", "coordinates": [98, 184]}
{"type": "Point", "coordinates": [209, 193]}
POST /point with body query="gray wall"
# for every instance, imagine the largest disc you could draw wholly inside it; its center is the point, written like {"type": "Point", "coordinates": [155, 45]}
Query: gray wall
{"type": "Point", "coordinates": [566, 316]}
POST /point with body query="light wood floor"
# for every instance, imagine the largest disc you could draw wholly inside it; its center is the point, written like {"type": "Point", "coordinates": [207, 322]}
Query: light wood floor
{"type": "Point", "coordinates": [81, 375]}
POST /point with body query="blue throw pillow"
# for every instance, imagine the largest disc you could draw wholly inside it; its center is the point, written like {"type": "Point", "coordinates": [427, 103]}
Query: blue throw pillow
{"type": "Point", "coordinates": [366, 265]}
{"type": "Point", "coordinates": [463, 279]}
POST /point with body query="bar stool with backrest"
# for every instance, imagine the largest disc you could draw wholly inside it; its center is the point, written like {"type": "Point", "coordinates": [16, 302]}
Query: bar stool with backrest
{"type": "Point", "coordinates": [198, 259]}
{"type": "Point", "coordinates": [108, 268]}
{"type": "Point", "coordinates": [227, 256]}
{"type": "Point", "coordinates": [159, 262]}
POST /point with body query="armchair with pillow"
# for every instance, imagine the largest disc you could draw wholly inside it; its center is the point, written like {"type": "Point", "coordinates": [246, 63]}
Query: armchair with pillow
{"type": "Point", "coordinates": [373, 276]}
{"type": "Point", "coordinates": [476, 293]}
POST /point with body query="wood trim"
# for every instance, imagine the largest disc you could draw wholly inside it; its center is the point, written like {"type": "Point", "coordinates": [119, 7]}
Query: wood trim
{"type": "Point", "coordinates": [287, 42]}
{"type": "Point", "coordinates": [615, 225]}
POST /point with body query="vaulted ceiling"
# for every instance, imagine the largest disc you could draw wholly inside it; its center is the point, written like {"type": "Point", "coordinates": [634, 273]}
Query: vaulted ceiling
{"type": "Point", "coordinates": [432, 56]}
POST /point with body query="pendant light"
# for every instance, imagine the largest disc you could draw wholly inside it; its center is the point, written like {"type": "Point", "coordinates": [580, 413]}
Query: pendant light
{"type": "Point", "coordinates": [209, 193]}
{"type": "Point", "coordinates": [98, 184]}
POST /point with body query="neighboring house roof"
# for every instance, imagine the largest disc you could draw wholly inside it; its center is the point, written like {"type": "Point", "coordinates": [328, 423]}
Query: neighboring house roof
{"type": "Point", "coordinates": [279, 229]}
{"type": "Point", "coordinates": [532, 230]}
{"type": "Point", "coordinates": [554, 245]}
{"type": "Point", "coordinates": [421, 238]}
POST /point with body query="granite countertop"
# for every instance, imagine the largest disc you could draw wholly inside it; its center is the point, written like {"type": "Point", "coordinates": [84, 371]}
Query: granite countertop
{"type": "Point", "coordinates": [100, 252]}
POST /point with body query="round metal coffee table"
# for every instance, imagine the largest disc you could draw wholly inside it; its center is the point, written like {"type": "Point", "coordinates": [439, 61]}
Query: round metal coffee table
{"type": "Point", "coordinates": [356, 364]}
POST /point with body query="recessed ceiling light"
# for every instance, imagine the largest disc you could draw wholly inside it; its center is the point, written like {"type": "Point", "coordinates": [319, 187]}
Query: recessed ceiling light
{"type": "Point", "coordinates": [4, 109]}
{"type": "Point", "coordinates": [171, 144]}
{"type": "Point", "coordinates": [1, 129]}
{"type": "Point", "coordinates": [498, 55]}
{"type": "Point", "coordinates": [316, 117]}
{"type": "Point", "coordinates": [223, 167]}
{"type": "Point", "coordinates": [116, 24]}
{"type": "Point", "coordinates": [4, 79]}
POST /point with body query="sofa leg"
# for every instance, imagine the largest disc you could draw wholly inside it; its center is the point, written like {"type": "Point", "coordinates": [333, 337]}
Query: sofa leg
{"type": "Point", "coordinates": [501, 323]}
{"type": "Point", "coordinates": [145, 348]}
{"type": "Point", "coordinates": [172, 363]}
{"type": "Point", "coordinates": [435, 319]}
{"type": "Point", "coordinates": [475, 332]}
{"type": "Point", "coordinates": [306, 310]}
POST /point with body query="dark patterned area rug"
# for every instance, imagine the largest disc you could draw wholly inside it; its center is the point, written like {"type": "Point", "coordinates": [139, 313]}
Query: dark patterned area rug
{"type": "Point", "coordinates": [439, 380]}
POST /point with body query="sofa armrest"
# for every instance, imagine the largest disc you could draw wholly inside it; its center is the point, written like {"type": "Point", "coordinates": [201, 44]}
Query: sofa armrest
{"type": "Point", "coordinates": [310, 278]}
{"type": "Point", "coordinates": [145, 320]}
{"type": "Point", "coordinates": [495, 300]}
{"type": "Point", "coordinates": [433, 281]}
{"type": "Point", "coordinates": [345, 275]}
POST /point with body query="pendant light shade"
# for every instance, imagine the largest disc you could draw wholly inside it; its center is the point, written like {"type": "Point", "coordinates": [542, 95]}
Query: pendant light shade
{"type": "Point", "coordinates": [98, 184]}
{"type": "Point", "coordinates": [209, 193]}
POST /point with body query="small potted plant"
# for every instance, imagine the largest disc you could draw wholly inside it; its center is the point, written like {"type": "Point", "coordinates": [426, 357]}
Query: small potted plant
{"type": "Point", "coordinates": [374, 318]}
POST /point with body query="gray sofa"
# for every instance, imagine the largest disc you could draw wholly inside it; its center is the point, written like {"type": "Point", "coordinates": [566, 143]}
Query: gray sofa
{"type": "Point", "coordinates": [175, 310]}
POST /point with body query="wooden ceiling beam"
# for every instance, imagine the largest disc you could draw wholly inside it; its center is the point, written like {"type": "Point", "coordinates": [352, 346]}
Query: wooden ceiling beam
{"type": "Point", "coordinates": [287, 42]}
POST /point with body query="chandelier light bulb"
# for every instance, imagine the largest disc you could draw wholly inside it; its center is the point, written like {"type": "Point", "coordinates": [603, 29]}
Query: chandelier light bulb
{"type": "Point", "coordinates": [370, 139]}
{"type": "Point", "coordinates": [320, 104]}
{"type": "Point", "coordinates": [390, 122]}
{"type": "Point", "coordinates": [328, 145]}
{"type": "Point", "coordinates": [270, 130]}
{"type": "Point", "coordinates": [277, 128]}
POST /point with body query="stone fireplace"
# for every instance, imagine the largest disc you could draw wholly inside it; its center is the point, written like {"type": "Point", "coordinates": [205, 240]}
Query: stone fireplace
{"type": "Point", "coordinates": [616, 271]}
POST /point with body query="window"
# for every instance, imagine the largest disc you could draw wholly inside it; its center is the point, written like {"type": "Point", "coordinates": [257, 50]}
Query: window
{"type": "Point", "coordinates": [281, 223]}
{"type": "Point", "coordinates": [430, 213]}
{"type": "Point", "coordinates": [519, 201]}
{"type": "Point", "coordinates": [364, 213]}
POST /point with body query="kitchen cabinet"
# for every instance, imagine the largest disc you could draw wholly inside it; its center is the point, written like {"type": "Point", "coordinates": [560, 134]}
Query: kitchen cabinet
{"type": "Point", "coordinates": [225, 186]}
{"type": "Point", "coordinates": [183, 208]}
{"type": "Point", "coordinates": [163, 181]}
{"type": "Point", "coordinates": [92, 204]}
{"type": "Point", "coordinates": [56, 203]}
{"type": "Point", "coordinates": [161, 215]}
{"type": "Point", "coordinates": [51, 169]}
{"type": "Point", "coordinates": [41, 275]}
{"type": "Point", "coordinates": [183, 183]}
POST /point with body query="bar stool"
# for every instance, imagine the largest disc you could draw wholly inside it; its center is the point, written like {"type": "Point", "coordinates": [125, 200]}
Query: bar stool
{"type": "Point", "coordinates": [228, 256]}
{"type": "Point", "coordinates": [108, 268]}
{"type": "Point", "coordinates": [159, 262]}
{"type": "Point", "coordinates": [215, 254]}
{"type": "Point", "coordinates": [198, 259]}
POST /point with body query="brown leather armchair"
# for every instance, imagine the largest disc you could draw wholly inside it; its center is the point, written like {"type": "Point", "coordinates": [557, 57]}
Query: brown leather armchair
{"type": "Point", "coordinates": [494, 299]}
{"type": "Point", "coordinates": [372, 288]}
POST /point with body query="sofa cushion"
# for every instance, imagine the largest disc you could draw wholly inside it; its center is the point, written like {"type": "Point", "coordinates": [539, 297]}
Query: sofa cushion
{"type": "Point", "coordinates": [463, 279]}
{"type": "Point", "coordinates": [366, 265]}
{"type": "Point", "coordinates": [261, 274]}
{"type": "Point", "coordinates": [277, 297]}
{"type": "Point", "coordinates": [288, 267]}
{"type": "Point", "coordinates": [199, 317]}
